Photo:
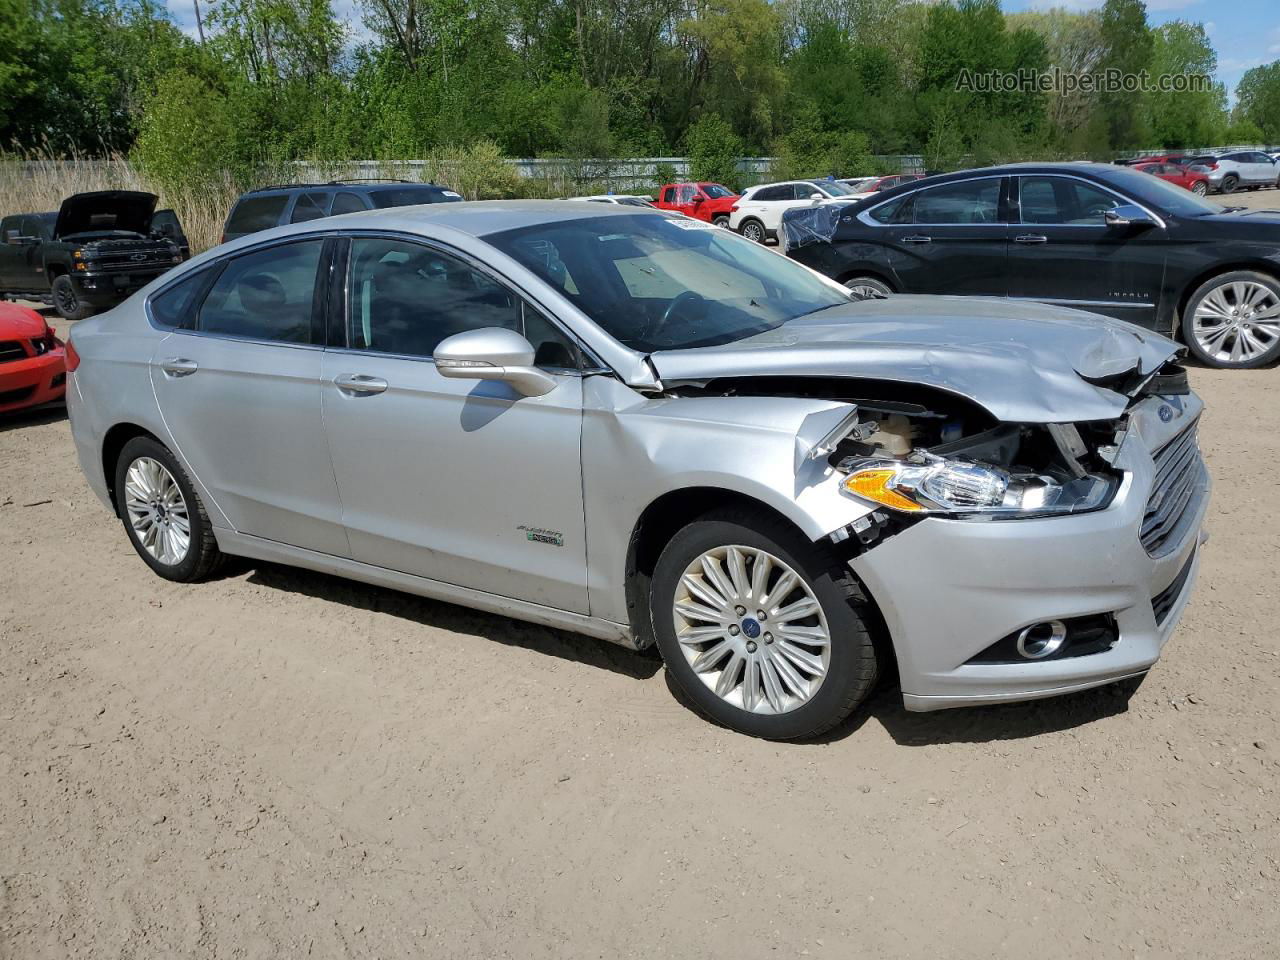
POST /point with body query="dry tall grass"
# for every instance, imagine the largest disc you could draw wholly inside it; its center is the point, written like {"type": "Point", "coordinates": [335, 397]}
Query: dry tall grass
{"type": "Point", "coordinates": [36, 184]}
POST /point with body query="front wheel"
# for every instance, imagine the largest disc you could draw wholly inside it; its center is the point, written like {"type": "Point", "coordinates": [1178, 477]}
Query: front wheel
{"type": "Point", "coordinates": [1233, 321]}
{"type": "Point", "coordinates": [67, 301]}
{"type": "Point", "coordinates": [162, 513]}
{"type": "Point", "coordinates": [762, 630]}
{"type": "Point", "coordinates": [867, 288]}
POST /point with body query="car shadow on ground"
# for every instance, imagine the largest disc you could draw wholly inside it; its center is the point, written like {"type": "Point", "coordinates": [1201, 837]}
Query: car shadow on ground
{"type": "Point", "coordinates": [21, 419]}
{"type": "Point", "coordinates": [447, 616]}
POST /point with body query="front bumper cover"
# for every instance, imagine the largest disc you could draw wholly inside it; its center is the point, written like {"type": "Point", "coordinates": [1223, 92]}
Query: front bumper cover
{"type": "Point", "coordinates": [948, 589]}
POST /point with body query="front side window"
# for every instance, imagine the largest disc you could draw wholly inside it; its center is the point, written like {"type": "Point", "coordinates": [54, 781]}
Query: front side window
{"type": "Point", "coordinates": [265, 295]}
{"type": "Point", "coordinates": [657, 283]}
{"type": "Point", "coordinates": [717, 192]}
{"type": "Point", "coordinates": [404, 298]}
{"type": "Point", "coordinates": [257, 213]}
{"type": "Point", "coordinates": [967, 202]}
{"type": "Point", "coordinates": [686, 193]}
{"type": "Point", "coordinates": [1058, 200]}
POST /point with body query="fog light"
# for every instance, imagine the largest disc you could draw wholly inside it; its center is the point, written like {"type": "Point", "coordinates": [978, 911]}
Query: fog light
{"type": "Point", "coordinates": [1042, 640]}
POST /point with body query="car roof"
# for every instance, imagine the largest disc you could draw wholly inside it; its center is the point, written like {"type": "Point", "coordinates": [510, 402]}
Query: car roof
{"type": "Point", "coordinates": [346, 185]}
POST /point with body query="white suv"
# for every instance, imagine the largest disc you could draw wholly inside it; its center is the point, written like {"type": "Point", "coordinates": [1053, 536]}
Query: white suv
{"type": "Point", "coordinates": [1243, 168]}
{"type": "Point", "coordinates": [758, 213]}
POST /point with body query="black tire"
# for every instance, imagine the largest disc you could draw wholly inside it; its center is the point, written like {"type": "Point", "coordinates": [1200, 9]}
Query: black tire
{"type": "Point", "coordinates": [203, 556]}
{"type": "Point", "coordinates": [753, 230]}
{"type": "Point", "coordinates": [868, 288]}
{"type": "Point", "coordinates": [66, 301]}
{"type": "Point", "coordinates": [720, 220]}
{"type": "Point", "coordinates": [1229, 183]}
{"type": "Point", "coordinates": [853, 665]}
{"type": "Point", "coordinates": [1206, 288]}
{"type": "Point", "coordinates": [1200, 188]}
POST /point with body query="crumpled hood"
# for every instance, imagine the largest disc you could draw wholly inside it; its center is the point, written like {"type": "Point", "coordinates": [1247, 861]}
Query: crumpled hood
{"type": "Point", "coordinates": [129, 210]}
{"type": "Point", "coordinates": [1024, 362]}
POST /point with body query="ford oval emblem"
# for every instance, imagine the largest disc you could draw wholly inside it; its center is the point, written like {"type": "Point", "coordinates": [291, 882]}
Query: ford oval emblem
{"type": "Point", "coordinates": [751, 628]}
{"type": "Point", "coordinates": [1166, 412]}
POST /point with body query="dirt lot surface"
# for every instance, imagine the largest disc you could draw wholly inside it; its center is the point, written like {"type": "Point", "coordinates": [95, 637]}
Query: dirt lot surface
{"type": "Point", "coordinates": [281, 764]}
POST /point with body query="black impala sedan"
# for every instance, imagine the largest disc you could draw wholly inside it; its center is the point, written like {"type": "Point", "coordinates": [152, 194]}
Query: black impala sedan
{"type": "Point", "coordinates": [1101, 238]}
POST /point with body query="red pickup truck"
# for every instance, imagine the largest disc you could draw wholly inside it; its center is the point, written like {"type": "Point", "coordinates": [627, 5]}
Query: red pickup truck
{"type": "Point", "coordinates": [702, 201]}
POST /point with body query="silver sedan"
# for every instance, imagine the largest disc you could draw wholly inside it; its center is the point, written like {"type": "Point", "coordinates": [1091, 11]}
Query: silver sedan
{"type": "Point", "coordinates": [632, 425]}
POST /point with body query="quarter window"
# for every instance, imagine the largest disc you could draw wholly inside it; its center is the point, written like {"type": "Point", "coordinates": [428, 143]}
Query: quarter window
{"type": "Point", "coordinates": [897, 210]}
{"type": "Point", "coordinates": [405, 298]}
{"type": "Point", "coordinates": [174, 307]}
{"type": "Point", "coordinates": [347, 203]}
{"type": "Point", "coordinates": [257, 213]}
{"type": "Point", "coordinates": [970, 201]}
{"type": "Point", "coordinates": [1059, 200]}
{"type": "Point", "coordinates": [310, 206]}
{"type": "Point", "coordinates": [265, 295]}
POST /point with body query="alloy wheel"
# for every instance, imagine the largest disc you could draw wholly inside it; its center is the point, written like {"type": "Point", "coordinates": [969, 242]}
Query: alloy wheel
{"type": "Point", "coordinates": [67, 302]}
{"type": "Point", "coordinates": [752, 629]}
{"type": "Point", "coordinates": [1199, 189]}
{"type": "Point", "coordinates": [866, 289]}
{"type": "Point", "coordinates": [753, 232]}
{"type": "Point", "coordinates": [1237, 322]}
{"type": "Point", "coordinates": [157, 511]}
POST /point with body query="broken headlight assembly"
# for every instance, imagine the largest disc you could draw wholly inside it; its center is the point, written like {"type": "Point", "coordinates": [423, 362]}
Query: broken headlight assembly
{"type": "Point", "coordinates": [927, 484]}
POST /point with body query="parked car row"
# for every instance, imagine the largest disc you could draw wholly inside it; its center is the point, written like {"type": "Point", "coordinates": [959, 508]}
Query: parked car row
{"type": "Point", "coordinates": [789, 491]}
{"type": "Point", "coordinates": [1094, 237]}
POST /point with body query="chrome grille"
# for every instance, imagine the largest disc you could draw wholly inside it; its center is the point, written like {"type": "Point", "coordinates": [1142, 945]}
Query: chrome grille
{"type": "Point", "coordinates": [1176, 491]}
{"type": "Point", "coordinates": [11, 350]}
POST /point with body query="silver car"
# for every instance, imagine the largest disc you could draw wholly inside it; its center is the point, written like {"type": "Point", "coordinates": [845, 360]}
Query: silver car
{"type": "Point", "coordinates": [633, 425]}
{"type": "Point", "coordinates": [1230, 172]}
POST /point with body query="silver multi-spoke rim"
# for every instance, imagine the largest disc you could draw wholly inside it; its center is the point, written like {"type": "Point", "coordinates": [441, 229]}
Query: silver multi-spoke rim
{"type": "Point", "coordinates": [157, 510]}
{"type": "Point", "coordinates": [751, 629]}
{"type": "Point", "coordinates": [1238, 321]}
{"type": "Point", "coordinates": [866, 291]}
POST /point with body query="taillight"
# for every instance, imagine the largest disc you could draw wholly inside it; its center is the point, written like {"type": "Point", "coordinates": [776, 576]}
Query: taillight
{"type": "Point", "coordinates": [73, 358]}
{"type": "Point", "coordinates": [734, 208]}
{"type": "Point", "coordinates": [1212, 166]}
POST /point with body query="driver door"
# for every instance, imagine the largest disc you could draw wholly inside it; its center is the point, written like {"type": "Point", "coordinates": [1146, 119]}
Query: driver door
{"type": "Point", "coordinates": [465, 482]}
{"type": "Point", "coordinates": [1063, 251]}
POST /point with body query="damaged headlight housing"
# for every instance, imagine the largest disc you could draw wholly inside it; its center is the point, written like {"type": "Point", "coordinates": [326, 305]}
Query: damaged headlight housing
{"type": "Point", "coordinates": [936, 485]}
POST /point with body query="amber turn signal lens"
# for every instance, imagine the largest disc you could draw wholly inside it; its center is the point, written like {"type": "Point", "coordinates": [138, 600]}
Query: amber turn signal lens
{"type": "Point", "coordinates": [873, 485]}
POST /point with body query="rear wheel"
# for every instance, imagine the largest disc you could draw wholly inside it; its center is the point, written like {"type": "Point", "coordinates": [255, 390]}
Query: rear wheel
{"type": "Point", "coordinates": [720, 220]}
{"type": "Point", "coordinates": [753, 230]}
{"type": "Point", "coordinates": [867, 288]}
{"type": "Point", "coordinates": [1199, 188]}
{"type": "Point", "coordinates": [66, 301]}
{"type": "Point", "coordinates": [1233, 321]}
{"type": "Point", "coordinates": [762, 630]}
{"type": "Point", "coordinates": [162, 514]}
{"type": "Point", "coordinates": [1229, 183]}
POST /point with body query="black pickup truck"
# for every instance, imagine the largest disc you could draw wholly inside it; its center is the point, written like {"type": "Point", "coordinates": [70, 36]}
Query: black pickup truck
{"type": "Point", "coordinates": [91, 254]}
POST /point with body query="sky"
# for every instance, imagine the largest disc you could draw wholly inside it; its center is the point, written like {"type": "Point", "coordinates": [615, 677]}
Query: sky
{"type": "Point", "coordinates": [1246, 33]}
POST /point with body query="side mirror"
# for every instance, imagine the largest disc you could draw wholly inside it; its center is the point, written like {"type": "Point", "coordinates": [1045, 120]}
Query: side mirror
{"type": "Point", "coordinates": [699, 199]}
{"type": "Point", "coordinates": [1128, 215]}
{"type": "Point", "coordinates": [18, 240]}
{"type": "Point", "coordinates": [492, 353]}
{"type": "Point", "coordinates": [815, 196]}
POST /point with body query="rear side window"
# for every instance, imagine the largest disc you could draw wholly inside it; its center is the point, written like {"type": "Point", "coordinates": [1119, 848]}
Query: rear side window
{"type": "Point", "coordinates": [310, 206]}
{"type": "Point", "coordinates": [257, 213]}
{"type": "Point", "coordinates": [408, 196]}
{"type": "Point", "coordinates": [265, 295]}
{"type": "Point", "coordinates": [174, 307]}
{"type": "Point", "coordinates": [347, 203]}
{"type": "Point", "coordinates": [669, 195]}
{"type": "Point", "coordinates": [897, 210]}
{"type": "Point", "coordinates": [973, 201]}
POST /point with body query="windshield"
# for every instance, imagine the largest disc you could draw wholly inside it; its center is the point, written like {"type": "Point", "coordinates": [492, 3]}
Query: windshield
{"type": "Point", "coordinates": [659, 283]}
{"type": "Point", "coordinates": [833, 188]}
{"type": "Point", "coordinates": [1163, 195]}
{"type": "Point", "coordinates": [717, 192]}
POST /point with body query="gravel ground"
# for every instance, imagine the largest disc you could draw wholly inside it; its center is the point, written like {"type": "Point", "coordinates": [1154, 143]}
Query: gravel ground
{"type": "Point", "coordinates": [279, 763]}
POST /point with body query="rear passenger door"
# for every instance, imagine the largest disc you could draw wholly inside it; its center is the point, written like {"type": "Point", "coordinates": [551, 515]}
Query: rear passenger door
{"type": "Point", "coordinates": [951, 238]}
{"type": "Point", "coordinates": [238, 383]}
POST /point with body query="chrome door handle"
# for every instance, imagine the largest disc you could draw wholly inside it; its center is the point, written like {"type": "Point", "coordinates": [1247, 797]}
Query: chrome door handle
{"type": "Point", "coordinates": [179, 367]}
{"type": "Point", "coordinates": [358, 385]}
{"type": "Point", "coordinates": [1031, 238]}
{"type": "Point", "coordinates": [916, 238]}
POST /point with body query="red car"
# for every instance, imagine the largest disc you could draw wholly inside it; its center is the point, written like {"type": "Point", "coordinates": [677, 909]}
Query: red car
{"type": "Point", "coordinates": [1185, 177]}
{"type": "Point", "coordinates": [702, 201]}
{"type": "Point", "coordinates": [32, 360]}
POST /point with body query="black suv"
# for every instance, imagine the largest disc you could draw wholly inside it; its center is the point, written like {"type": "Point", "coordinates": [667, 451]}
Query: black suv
{"type": "Point", "coordinates": [91, 254]}
{"type": "Point", "coordinates": [1100, 238]}
{"type": "Point", "coordinates": [269, 207]}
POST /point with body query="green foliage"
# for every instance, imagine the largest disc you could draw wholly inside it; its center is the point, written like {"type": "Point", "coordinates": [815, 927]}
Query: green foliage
{"type": "Point", "coordinates": [188, 132]}
{"type": "Point", "coordinates": [1258, 102]}
{"type": "Point", "coordinates": [663, 174]}
{"type": "Point", "coordinates": [478, 171]}
{"type": "Point", "coordinates": [1193, 118]}
{"type": "Point", "coordinates": [1128, 47]}
{"type": "Point", "coordinates": [713, 150]}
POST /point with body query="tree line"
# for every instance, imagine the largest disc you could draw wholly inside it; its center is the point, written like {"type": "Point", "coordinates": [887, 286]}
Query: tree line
{"type": "Point", "coordinates": [823, 85]}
